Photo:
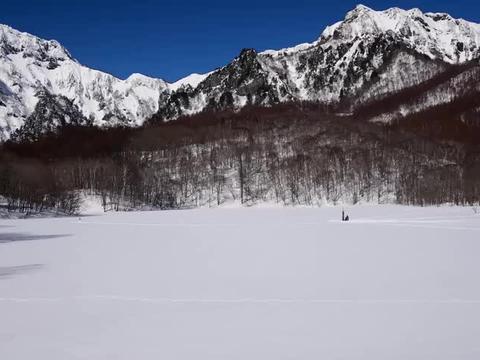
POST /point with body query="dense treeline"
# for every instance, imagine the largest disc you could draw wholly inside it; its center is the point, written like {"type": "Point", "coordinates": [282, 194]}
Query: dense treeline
{"type": "Point", "coordinates": [291, 154]}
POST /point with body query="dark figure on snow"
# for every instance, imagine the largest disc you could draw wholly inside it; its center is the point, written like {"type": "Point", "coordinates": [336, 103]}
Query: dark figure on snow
{"type": "Point", "coordinates": [345, 218]}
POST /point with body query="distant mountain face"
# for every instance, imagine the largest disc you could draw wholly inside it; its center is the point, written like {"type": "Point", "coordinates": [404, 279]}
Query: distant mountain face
{"type": "Point", "coordinates": [368, 56]}
{"type": "Point", "coordinates": [361, 57]}
{"type": "Point", "coordinates": [31, 67]}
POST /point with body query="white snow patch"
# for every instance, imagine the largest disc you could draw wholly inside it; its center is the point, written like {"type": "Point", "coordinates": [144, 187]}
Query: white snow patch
{"type": "Point", "coordinates": [193, 80]}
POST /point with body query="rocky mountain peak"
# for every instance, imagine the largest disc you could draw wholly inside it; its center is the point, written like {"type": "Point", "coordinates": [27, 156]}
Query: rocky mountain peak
{"type": "Point", "coordinates": [14, 42]}
{"type": "Point", "coordinates": [438, 36]}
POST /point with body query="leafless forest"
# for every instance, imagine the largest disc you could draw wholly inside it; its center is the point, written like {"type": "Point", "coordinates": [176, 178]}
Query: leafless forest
{"type": "Point", "coordinates": [290, 154]}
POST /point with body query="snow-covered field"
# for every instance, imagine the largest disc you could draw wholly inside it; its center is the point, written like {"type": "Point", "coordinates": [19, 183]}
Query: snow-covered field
{"type": "Point", "coordinates": [394, 283]}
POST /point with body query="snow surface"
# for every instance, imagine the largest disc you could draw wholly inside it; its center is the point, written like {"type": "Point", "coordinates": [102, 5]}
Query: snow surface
{"type": "Point", "coordinates": [394, 283]}
{"type": "Point", "coordinates": [193, 80]}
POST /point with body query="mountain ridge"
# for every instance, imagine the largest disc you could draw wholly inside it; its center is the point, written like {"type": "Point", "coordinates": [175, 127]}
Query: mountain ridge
{"type": "Point", "coordinates": [355, 60]}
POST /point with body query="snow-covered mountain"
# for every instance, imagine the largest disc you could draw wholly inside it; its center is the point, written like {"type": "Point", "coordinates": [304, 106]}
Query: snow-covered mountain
{"type": "Point", "coordinates": [436, 35]}
{"type": "Point", "coordinates": [34, 71]}
{"type": "Point", "coordinates": [366, 56]}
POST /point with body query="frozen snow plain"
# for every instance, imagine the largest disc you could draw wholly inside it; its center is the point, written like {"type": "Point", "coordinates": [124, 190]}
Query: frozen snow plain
{"type": "Point", "coordinates": [394, 283]}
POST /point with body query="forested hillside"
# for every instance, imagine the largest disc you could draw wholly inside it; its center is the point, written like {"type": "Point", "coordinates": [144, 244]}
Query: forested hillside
{"type": "Point", "coordinates": [290, 154]}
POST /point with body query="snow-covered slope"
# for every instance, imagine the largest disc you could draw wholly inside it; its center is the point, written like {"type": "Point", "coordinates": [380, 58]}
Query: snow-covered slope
{"type": "Point", "coordinates": [404, 46]}
{"type": "Point", "coordinates": [437, 35]}
{"type": "Point", "coordinates": [191, 80]}
{"type": "Point", "coordinates": [30, 67]}
{"type": "Point", "coordinates": [367, 55]}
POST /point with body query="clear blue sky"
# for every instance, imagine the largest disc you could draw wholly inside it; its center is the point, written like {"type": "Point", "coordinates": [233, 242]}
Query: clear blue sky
{"type": "Point", "coordinates": [170, 39]}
